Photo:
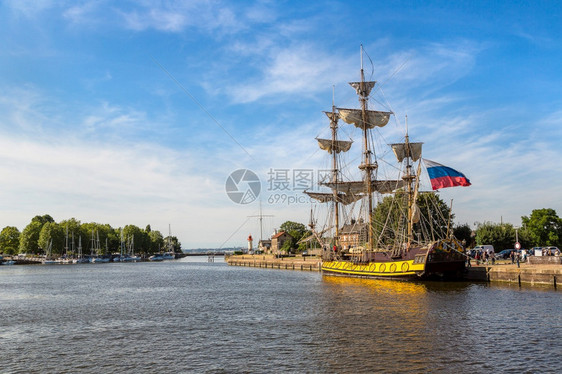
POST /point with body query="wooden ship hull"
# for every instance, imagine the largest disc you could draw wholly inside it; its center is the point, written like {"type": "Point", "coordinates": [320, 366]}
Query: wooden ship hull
{"type": "Point", "coordinates": [433, 262]}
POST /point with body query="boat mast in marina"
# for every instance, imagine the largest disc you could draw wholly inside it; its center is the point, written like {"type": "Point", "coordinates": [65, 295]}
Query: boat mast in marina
{"type": "Point", "coordinates": [66, 243]}
{"type": "Point", "coordinates": [260, 216]}
{"type": "Point", "coordinates": [122, 245]}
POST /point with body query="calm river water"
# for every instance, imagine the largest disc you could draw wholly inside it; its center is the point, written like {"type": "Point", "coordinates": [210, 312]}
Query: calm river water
{"type": "Point", "coordinates": [194, 316]}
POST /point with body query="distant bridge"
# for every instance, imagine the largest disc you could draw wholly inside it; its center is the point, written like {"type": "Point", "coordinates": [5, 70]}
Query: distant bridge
{"type": "Point", "coordinates": [211, 253]}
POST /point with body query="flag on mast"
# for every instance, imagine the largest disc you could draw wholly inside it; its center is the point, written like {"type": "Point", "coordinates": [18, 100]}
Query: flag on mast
{"type": "Point", "coordinates": [442, 176]}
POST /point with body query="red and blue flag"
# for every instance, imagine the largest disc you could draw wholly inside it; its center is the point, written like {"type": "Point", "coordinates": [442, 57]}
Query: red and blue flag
{"type": "Point", "coordinates": [442, 176]}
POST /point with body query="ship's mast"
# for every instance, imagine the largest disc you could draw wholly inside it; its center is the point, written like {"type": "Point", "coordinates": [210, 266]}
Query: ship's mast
{"type": "Point", "coordinates": [334, 127]}
{"type": "Point", "coordinates": [260, 216]}
{"type": "Point", "coordinates": [66, 242]}
{"type": "Point", "coordinates": [408, 153]}
{"type": "Point", "coordinates": [367, 166]}
{"type": "Point", "coordinates": [408, 178]}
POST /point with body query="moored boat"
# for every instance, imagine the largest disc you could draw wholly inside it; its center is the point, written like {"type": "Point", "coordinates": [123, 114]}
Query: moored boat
{"type": "Point", "coordinates": [402, 241]}
{"type": "Point", "coordinates": [101, 259]}
{"type": "Point", "coordinates": [168, 256]}
{"type": "Point", "coordinates": [129, 256]}
{"type": "Point", "coordinates": [156, 257]}
{"type": "Point", "coordinates": [49, 260]}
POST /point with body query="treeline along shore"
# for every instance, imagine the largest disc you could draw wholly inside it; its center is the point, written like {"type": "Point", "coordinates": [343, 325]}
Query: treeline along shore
{"type": "Point", "coordinates": [68, 237]}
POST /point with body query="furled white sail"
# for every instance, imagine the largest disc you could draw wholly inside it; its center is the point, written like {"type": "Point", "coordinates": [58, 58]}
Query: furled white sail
{"type": "Point", "coordinates": [367, 87]}
{"type": "Point", "coordinates": [373, 118]}
{"type": "Point", "coordinates": [359, 187]}
{"type": "Point", "coordinates": [333, 116]}
{"type": "Point", "coordinates": [416, 214]}
{"type": "Point", "coordinates": [403, 150]}
{"type": "Point", "coordinates": [334, 146]}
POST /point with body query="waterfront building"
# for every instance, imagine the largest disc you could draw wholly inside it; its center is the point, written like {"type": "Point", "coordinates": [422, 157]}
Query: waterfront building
{"type": "Point", "coordinates": [277, 241]}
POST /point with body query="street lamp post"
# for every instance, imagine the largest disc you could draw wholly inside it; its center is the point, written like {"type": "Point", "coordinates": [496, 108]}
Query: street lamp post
{"type": "Point", "coordinates": [518, 246]}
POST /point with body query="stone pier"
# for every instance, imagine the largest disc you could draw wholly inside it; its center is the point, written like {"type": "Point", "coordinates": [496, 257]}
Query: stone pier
{"type": "Point", "coordinates": [526, 273]}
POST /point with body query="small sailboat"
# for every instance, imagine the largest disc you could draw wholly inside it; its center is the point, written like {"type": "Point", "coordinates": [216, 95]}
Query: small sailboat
{"type": "Point", "coordinates": [169, 254]}
{"type": "Point", "coordinates": [68, 250]}
{"type": "Point", "coordinates": [96, 252]}
{"type": "Point", "coordinates": [49, 260]}
{"type": "Point", "coordinates": [121, 249]}
{"type": "Point", "coordinates": [130, 255]}
{"type": "Point", "coordinates": [80, 259]}
{"type": "Point", "coordinates": [133, 256]}
{"type": "Point", "coordinates": [157, 257]}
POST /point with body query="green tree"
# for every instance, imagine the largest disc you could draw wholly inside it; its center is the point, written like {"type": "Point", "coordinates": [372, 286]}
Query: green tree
{"type": "Point", "coordinates": [109, 238]}
{"type": "Point", "coordinates": [156, 241]}
{"type": "Point", "coordinates": [390, 218]}
{"type": "Point", "coordinates": [143, 242]}
{"type": "Point", "coordinates": [9, 240]}
{"type": "Point", "coordinates": [43, 219]}
{"type": "Point", "coordinates": [112, 237]}
{"type": "Point", "coordinates": [72, 227]}
{"type": "Point", "coordinates": [137, 235]}
{"type": "Point", "coordinates": [91, 231]}
{"type": "Point", "coordinates": [500, 235]}
{"type": "Point", "coordinates": [52, 231]}
{"type": "Point", "coordinates": [543, 228]}
{"type": "Point", "coordinates": [288, 245]}
{"type": "Point", "coordinates": [295, 229]}
{"type": "Point", "coordinates": [175, 243]}
{"type": "Point", "coordinates": [29, 238]}
{"type": "Point", "coordinates": [297, 232]}
{"type": "Point", "coordinates": [464, 234]}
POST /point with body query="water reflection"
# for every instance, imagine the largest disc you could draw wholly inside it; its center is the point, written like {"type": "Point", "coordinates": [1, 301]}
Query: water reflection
{"type": "Point", "coordinates": [394, 287]}
{"type": "Point", "coordinates": [439, 327]}
{"type": "Point", "coordinates": [379, 322]}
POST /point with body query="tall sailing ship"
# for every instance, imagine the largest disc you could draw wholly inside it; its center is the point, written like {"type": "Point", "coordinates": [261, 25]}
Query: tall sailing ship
{"type": "Point", "coordinates": [395, 245]}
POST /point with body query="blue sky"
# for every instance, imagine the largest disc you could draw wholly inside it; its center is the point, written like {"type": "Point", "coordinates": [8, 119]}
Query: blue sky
{"type": "Point", "coordinates": [136, 112]}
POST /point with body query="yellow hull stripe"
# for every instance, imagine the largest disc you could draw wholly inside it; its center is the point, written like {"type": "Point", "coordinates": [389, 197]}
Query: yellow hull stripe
{"type": "Point", "coordinates": [379, 269]}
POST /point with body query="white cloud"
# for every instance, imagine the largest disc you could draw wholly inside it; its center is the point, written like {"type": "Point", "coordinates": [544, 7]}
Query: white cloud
{"type": "Point", "coordinates": [30, 8]}
{"type": "Point", "coordinates": [159, 19]}
{"type": "Point", "coordinates": [300, 69]}
{"type": "Point", "coordinates": [177, 16]}
{"type": "Point", "coordinates": [82, 13]}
